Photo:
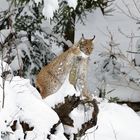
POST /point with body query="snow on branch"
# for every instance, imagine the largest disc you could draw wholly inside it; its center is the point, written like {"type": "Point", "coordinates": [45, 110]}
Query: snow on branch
{"type": "Point", "coordinates": [50, 6]}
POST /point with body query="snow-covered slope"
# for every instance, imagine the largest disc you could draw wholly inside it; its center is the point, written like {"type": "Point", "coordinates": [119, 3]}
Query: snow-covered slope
{"type": "Point", "coordinates": [23, 104]}
{"type": "Point", "coordinates": [115, 122]}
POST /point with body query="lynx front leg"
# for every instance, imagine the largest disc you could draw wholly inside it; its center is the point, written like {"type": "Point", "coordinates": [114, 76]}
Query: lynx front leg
{"type": "Point", "coordinates": [82, 79]}
{"type": "Point", "coordinates": [78, 77]}
{"type": "Point", "coordinates": [86, 94]}
{"type": "Point", "coordinates": [74, 74]}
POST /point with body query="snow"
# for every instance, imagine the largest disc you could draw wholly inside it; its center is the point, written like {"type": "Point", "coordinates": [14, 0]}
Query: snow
{"type": "Point", "coordinates": [23, 102]}
{"type": "Point", "coordinates": [72, 3]}
{"type": "Point", "coordinates": [50, 6]}
{"type": "Point", "coordinates": [3, 34]}
{"type": "Point", "coordinates": [115, 122]}
{"type": "Point", "coordinates": [66, 89]}
{"type": "Point", "coordinates": [17, 62]}
{"type": "Point", "coordinates": [84, 113]}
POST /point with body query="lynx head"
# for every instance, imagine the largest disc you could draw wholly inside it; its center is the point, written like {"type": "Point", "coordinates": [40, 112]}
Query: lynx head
{"type": "Point", "coordinates": [76, 52]}
{"type": "Point", "coordinates": [86, 45]}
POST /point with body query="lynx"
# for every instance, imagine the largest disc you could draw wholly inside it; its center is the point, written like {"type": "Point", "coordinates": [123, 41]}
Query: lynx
{"type": "Point", "coordinates": [78, 73]}
{"type": "Point", "coordinates": [52, 76]}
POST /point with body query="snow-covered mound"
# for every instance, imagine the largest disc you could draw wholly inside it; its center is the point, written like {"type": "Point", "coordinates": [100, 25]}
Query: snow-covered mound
{"type": "Point", "coordinates": [76, 114]}
{"type": "Point", "coordinates": [115, 122]}
{"type": "Point", "coordinates": [24, 108]}
{"type": "Point", "coordinates": [66, 89]}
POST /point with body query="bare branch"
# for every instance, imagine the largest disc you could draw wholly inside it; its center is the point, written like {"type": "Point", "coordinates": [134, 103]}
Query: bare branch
{"type": "Point", "coordinates": [133, 52]}
{"type": "Point", "coordinates": [128, 13]}
{"type": "Point", "coordinates": [128, 36]}
{"type": "Point", "coordinates": [136, 6]}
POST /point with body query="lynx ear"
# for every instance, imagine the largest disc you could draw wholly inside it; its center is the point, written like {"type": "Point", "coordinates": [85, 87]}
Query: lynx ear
{"type": "Point", "coordinates": [93, 38]}
{"type": "Point", "coordinates": [81, 40]}
{"type": "Point", "coordinates": [83, 37]}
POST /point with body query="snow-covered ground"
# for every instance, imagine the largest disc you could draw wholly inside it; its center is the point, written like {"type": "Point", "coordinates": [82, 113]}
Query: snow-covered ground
{"type": "Point", "coordinates": [23, 103]}
{"type": "Point", "coordinates": [115, 122]}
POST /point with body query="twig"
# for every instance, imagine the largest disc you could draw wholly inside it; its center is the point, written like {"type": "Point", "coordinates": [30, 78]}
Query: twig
{"type": "Point", "coordinates": [120, 54]}
{"type": "Point", "coordinates": [129, 14]}
{"type": "Point", "coordinates": [3, 80]}
{"type": "Point", "coordinates": [136, 6]}
{"type": "Point", "coordinates": [133, 52]}
{"type": "Point", "coordinates": [128, 36]}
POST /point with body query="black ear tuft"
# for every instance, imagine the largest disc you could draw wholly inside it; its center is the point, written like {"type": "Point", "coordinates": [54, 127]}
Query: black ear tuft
{"type": "Point", "coordinates": [93, 38]}
{"type": "Point", "coordinates": [83, 36]}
